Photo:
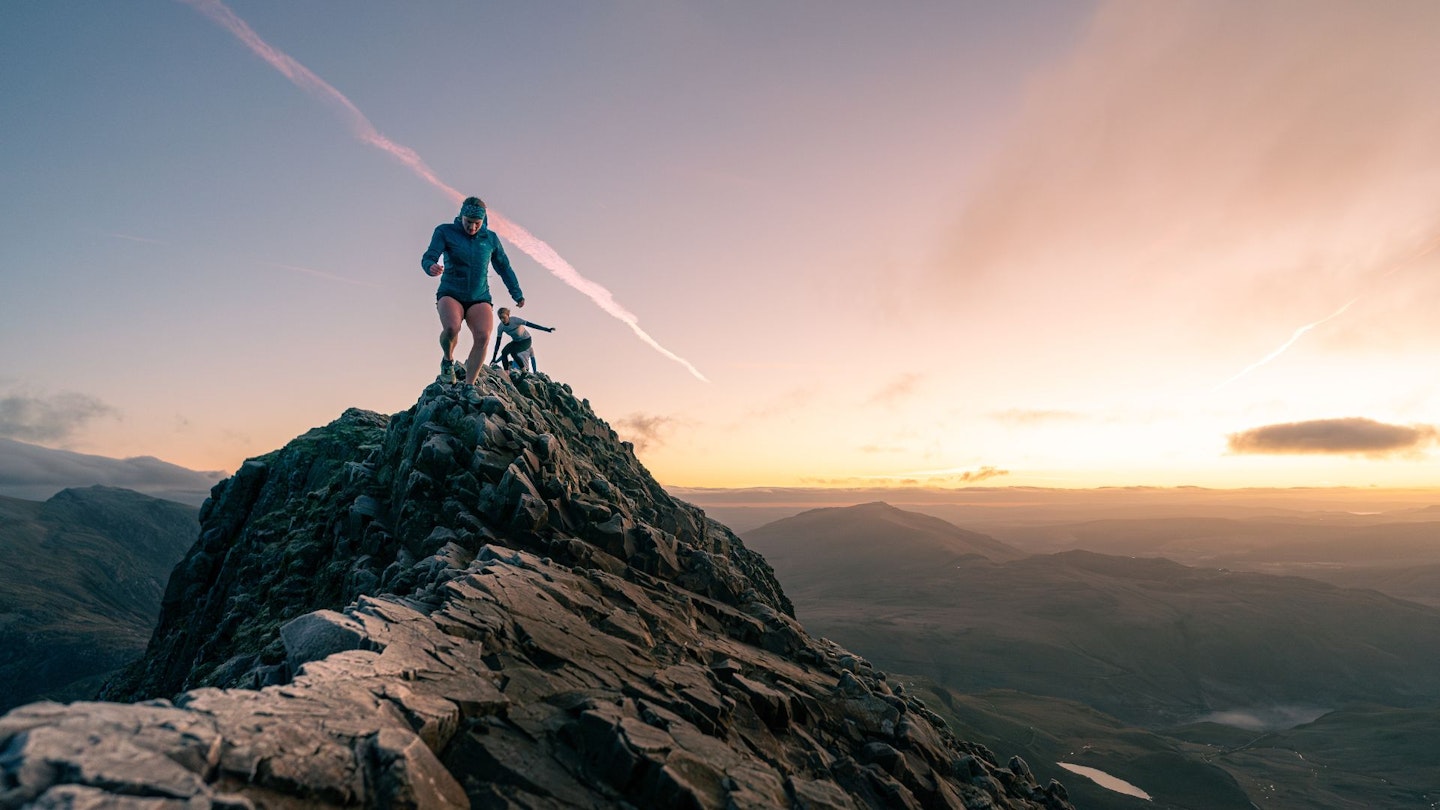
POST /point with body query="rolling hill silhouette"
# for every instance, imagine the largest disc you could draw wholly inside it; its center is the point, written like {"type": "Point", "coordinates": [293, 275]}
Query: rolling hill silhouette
{"type": "Point", "coordinates": [840, 540]}
{"type": "Point", "coordinates": [1144, 639]}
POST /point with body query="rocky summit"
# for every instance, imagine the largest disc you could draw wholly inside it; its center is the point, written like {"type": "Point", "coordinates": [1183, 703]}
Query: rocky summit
{"type": "Point", "coordinates": [486, 601]}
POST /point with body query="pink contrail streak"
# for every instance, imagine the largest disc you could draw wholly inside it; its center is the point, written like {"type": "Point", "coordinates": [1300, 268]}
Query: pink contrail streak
{"type": "Point", "coordinates": [366, 132]}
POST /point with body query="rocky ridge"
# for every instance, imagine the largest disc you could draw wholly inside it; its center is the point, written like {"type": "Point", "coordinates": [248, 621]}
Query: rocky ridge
{"type": "Point", "coordinates": [486, 601]}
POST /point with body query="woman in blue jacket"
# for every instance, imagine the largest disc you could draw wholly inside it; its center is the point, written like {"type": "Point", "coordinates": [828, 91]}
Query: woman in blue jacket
{"type": "Point", "coordinates": [469, 248]}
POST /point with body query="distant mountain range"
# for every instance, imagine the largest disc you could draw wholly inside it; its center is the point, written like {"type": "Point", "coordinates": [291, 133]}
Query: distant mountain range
{"type": "Point", "coordinates": [824, 543]}
{"type": "Point", "coordinates": [1145, 639]}
{"type": "Point", "coordinates": [1396, 553]}
{"type": "Point", "coordinates": [1207, 686]}
{"type": "Point", "coordinates": [81, 579]}
{"type": "Point", "coordinates": [32, 472]}
{"type": "Point", "coordinates": [482, 601]}
{"type": "Point", "coordinates": [997, 510]}
{"type": "Point", "coordinates": [1144, 644]}
{"type": "Point", "coordinates": [1313, 541]}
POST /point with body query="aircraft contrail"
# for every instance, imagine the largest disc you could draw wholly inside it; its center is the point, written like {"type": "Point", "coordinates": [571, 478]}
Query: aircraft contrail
{"type": "Point", "coordinates": [130, 238]}
{"type": "Point", "coordinates": [1425, 249]}
{"type": "Point", "coordinates": [321, 274]}
{"type": "Point", "coordinates": [366, 132]}
{"type": "Point", "coordinates": [1299, 333]}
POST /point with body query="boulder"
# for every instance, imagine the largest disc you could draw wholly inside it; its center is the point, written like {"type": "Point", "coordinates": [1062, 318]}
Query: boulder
{"type": "Point", "coordinates": [391, 612]}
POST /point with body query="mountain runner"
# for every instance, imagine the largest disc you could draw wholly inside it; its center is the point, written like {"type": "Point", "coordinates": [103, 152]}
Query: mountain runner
{"type": "Point", "coordinates": [470, 248]}
{"type": "Point", "coordinates": [514, 326]}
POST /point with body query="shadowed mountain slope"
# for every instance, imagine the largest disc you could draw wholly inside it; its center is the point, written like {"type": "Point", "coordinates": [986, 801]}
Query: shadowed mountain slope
{"type": "Point", "coordinates": [81, 577]}
{"type": "Point", "coordinates": [1358, 758]}
{"type": "Point", "coordinates": [1144, 639]}
{"type": "Point", "coordinates": [1414, 583]}
{"type": "Point", "coordinates": [1047, 731]}
{"type": "Point", "coordinates": [486, 601]}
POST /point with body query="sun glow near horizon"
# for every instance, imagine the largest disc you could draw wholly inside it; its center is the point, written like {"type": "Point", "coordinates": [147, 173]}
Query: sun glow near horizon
{"type": "Point", "coordinates": [1179, 244]}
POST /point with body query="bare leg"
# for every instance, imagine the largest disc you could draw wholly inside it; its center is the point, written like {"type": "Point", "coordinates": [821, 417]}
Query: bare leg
{"type": "Point", "coordinates": [451, 316]}
{"type": "Point", "coordinates": [481, 320]}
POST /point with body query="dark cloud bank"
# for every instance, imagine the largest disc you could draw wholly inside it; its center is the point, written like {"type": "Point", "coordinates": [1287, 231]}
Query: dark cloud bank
{"type": "Point", "coordinates": [47, 419]}
{"type": "Point", "coordinates": [35, 473]}
{"type": "Point", "coordinates": [1350, 436]}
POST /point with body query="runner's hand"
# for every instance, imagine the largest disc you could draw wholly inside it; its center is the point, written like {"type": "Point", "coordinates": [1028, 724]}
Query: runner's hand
{"type": "Point", "coordinates": [436, 269]}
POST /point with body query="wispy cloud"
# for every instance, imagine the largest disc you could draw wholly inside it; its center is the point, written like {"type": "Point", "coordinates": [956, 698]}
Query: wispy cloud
{"type": "Point", "coordinates": [1027, 416]}
{"type": "Point", "coordinates": [1350, 436]}
{"type": "Point", "coordinates": [645, 430]}
{"type": "Point", "coordinates": [783, 404]}
{"type": "Point", "coordinates": [900, 388]}
{"type": "Point", "coordinates": [1124, 414]}
{"type": "Point", "coordinates": [964, 474]}
{"type": "Point", "coordinates": [1260, 171]}
{"type": "Point", "coordinates": [947, 477]}
{"type": "Point", "coordinates": [875, 448]}
{"type": "Point", "coordinates": [49, 418]}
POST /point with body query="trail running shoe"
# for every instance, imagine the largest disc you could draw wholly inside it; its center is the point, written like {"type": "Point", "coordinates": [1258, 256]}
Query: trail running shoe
{"type": "Point", "coordinates": [450, 371]}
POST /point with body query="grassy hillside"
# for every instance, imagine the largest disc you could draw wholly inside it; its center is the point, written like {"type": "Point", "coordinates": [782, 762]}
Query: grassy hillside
{"type": "Point", "coordinates": [1360, 758]}
{"type": "Point", "coordinates": [1045, 731]}
{"type": "Point", "coordinates": [81, 576]}
{"type": "Point", "coordinates": [1357, 758]}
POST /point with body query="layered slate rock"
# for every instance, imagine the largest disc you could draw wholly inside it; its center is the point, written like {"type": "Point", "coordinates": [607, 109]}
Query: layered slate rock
{"type": "Point", "coordinates": [487, 601]}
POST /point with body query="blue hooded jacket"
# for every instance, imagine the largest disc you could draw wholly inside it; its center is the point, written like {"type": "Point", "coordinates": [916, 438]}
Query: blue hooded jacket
{"type": "Point", "coordinates": [467, 263]}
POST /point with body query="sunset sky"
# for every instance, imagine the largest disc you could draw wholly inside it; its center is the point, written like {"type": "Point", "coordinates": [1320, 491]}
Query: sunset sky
{"type": "Point", "coordinates": [1031, 243]}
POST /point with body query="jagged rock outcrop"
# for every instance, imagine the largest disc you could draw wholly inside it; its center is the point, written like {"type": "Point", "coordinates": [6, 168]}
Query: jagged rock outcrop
{"type": "Point", "coordinates": [486, 601]}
